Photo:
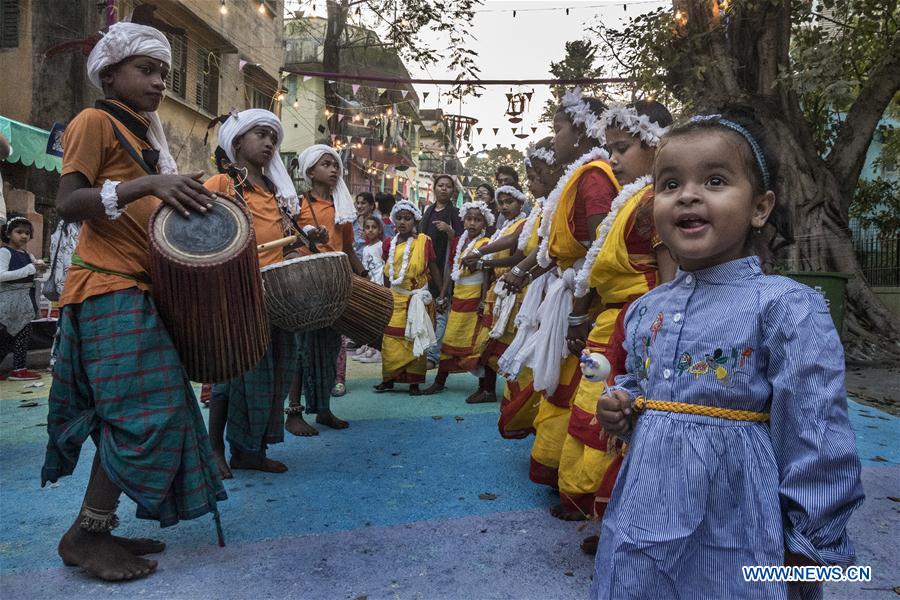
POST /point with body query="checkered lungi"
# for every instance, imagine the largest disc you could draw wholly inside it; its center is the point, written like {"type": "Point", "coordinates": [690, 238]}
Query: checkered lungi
{"type": "Point", "coordinates": [256, 398]}
{"type": "Point", "coordinates": [120, 381]}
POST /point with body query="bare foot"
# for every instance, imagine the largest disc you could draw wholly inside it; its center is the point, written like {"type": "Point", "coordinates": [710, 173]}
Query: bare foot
{"type": "Point", "coordinates": [328, 419]}
{"type": "Point", "coordinates": [384, 386]}
{"type": "Point", "coordinates": [296, 425]}
{"type": "Point", "coordinates": [222, 464]}
{"type": "Point", "coordinates": [474, 396]}
{"type": "Point", "coordinates": [589, 544]}
{"type": "Point", "coordinates": [101, 556]}
{"type": "Point", "coordinates": [432, 389]}
{"type": "Point", "coordinates": [481, 398]}
{"type": "Point", "coordinates": [256, 462]}
{"type": "Point", "coordinates": [140, 546]}
{"type": "Point", "coordinates": [560, 512]}
{"type": "Point", "coordinates": [414, 390]}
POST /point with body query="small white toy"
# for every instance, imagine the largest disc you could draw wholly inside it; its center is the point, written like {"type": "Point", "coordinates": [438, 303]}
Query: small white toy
{"type": "Point", "coordinates": [594, 366]}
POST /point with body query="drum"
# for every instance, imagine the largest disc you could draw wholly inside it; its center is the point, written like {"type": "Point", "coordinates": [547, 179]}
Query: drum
{"type": "Point", "coordinates": [367, 314]}
{"type": "Point", "coordinates": [207, 288]}
{"type": "Point", "coordinates": [307, 293]}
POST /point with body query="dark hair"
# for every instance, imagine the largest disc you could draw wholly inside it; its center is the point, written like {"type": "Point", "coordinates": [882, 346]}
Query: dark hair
{"type": "Point", "coordinates": [507, 170]}
{"type": "Point", "coordinates": [378, 222]}
{"type": "Point", "coordinates": [488, 187]}
{"type": "Point", "coordinates": [448, 178]}
{"type": "Point", "coordinates": [14, 220]}
{"type": "Point", "coordinates": [779, 228]}
{"type": "Point", "coordinates": [385, 202]}
{"type": "Point", "coordinates": [368, 197]}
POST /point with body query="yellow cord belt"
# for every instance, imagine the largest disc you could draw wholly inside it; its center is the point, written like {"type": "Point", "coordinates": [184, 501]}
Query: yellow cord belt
{"type": "Point", "coordinates": [642, 403]}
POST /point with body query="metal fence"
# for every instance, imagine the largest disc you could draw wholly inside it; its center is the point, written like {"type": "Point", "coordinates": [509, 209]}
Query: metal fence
{"type": "Point", "coordinates": [879, 258]}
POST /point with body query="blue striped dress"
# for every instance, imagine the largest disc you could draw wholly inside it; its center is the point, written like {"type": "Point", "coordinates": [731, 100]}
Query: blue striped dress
{"type": "Point", "coordinates": [698, 497]}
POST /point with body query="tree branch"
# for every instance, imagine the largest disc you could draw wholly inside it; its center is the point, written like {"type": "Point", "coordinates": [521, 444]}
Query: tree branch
{"type": "Point", "coordinates": [848, 154]}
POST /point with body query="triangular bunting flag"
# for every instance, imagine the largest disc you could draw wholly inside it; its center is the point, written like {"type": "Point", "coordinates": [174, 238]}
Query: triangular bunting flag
{"type": "Point", "coordinates": [483, 146]}
{"type": "Point", "coordinates": [380, 91]}
{"type": "Point", "coordinates": [496, 130]}
{"type": "Point", "coordinates": [513, 129]}
{"type": "Point", "coordinates": [341, 117]}
{"type": "Point", "coordinates": [363, 140]}
{"type": "Point", "coordinates": [534, 130]}
{"type": "Point", "coordinates": [425, 95]}
{"type": "Point", "coordinates": [479, 130]}
{"type": "Point", "coordinates": [306, 78]}
{"type": "Point", "coordinates": [355, 88]}
{"type": "Point", "coordinates": [404, 93]}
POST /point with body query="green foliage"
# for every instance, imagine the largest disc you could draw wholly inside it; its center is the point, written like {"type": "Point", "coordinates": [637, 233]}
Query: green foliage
{"type": "Point", "coordinates": [834, 47]}
{"type": "Point", "coordinates": [876, 205]}
{"type": "Point", "coordinates": [577, 63]}
{"type": "Point", "coordinates": [483, 165]}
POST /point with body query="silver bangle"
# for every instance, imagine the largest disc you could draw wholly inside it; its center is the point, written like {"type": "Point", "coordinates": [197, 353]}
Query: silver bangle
{"type": "Point", "coordinates": [477, 252]}
{"type": "Point", "coordinates": [110, 199]}
{"type": "Point", "coordinates": [576, 320]}
{"type": "Point", "coordinates": [479, 265]}
{"type": "Point", "coordinates": [517, 271]}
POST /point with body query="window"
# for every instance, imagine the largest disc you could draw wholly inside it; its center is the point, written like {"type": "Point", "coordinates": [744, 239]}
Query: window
{"type": "Point", "coordinates": [9, 23]}
{"type": "Point", "coordinates": [259, 99]}
{"type": "Point", "coordinates": [207, 91]}
{"type": "Point", "coordinates": [176, 82]}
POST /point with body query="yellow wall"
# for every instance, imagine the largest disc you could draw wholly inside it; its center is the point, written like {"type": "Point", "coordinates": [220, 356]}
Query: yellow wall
{"type": "Point", "coordinates": [15, 63]}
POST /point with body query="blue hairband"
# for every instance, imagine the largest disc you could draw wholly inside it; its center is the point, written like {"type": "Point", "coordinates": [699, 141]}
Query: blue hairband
{"type": "Point", "coordinates": [754, 145]}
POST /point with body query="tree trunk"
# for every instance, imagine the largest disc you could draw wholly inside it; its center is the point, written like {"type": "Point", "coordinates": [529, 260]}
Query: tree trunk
{"type": "Point", "coordinates": [331, 54]}
{"type": "Point", "coordinates": [738, 60]}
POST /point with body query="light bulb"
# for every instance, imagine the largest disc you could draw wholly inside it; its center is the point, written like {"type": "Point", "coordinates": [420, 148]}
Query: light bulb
{"type": "Point", "coordinates": [296, 104]}
{"type": "Point", "coordinates": [262, 8]}
{"type": "Point", "coordinates": [223, 9]}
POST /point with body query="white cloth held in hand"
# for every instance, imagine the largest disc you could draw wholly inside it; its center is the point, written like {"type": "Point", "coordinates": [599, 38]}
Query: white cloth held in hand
{"type": "Point", "coordinates": [419, 328]}
{"type": "Point", "coordinates": [550, 340]}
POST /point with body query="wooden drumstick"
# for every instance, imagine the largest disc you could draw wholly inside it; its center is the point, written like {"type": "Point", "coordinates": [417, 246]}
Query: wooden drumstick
{"type": "Point", "coordinates": [279, 243]}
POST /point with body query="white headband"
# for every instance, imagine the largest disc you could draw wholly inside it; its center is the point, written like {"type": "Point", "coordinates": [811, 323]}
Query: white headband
{"type": "Point", "coordinates": [580, 113]}
{"type": "Point", "coordinates": [240, 123]}
{"type": "Point", "coordinates": [405, 205]}
{"type": "Point", "coordinates": [627, 118]}
{"type": "Point", "coordinates": [481, 207]}
{"type": "Point", "coordinates": [510, 191]}
{"type": "Point", "coordinates": [543, 154]}
{"type": "Point", "coordinates": [124, 40]}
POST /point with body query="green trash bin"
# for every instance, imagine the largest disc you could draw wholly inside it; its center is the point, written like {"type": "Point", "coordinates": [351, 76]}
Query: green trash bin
{"type": "Point", "coordinates": [833, 286]}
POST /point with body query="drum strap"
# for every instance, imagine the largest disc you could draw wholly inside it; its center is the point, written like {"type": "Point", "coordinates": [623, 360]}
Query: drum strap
{"type": "Point", "coordinates": [77, 260]}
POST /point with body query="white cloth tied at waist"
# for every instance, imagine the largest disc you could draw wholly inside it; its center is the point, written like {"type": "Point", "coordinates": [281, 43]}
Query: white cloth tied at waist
{"type": "Point", "coordinates": [470, 279]}
{"type": "Point", "coordinates": [503, 307]}
{"type": "Point", "coordinates": [550, 339]}
{"type": "Point", "coordinates": [519, 352]}
{"type": "Point", "coordinates": [419, 329]}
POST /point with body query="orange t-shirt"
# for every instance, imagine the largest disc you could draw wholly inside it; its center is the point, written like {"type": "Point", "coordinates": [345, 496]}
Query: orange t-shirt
{"type": "Point", "coordinates": [340, 237]}
{"type": "Point", "coordinates": [263, 208]}
{"type": "Point", "coordinates": [121, 245]}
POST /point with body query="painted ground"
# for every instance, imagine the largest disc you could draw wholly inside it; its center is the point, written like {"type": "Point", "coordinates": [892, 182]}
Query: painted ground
{"type": "Point", "coordinates": [389, 508]}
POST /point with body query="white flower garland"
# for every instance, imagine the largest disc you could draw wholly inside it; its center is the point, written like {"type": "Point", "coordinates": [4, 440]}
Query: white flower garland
{"type": "Point", "coordinates": [404, 265]}
{"type": "Point", "coordinates": [530, 224]}
{"type": "Point", "coordinates": [481, 207]}
{"type": "Point", "coordinates": [553, 199]}
{"type": "Point", "coordinates": [584, 274]}
{"type": "Point", "coordinates": [461, 250]}
{"type": "Point", "coordinates": [627, 118]}
{"type": "Point", "coordinates": [580, 113]}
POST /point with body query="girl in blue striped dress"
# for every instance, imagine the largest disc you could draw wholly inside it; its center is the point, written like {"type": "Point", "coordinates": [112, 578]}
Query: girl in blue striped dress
{"type": "Point", "coordinates": [733, 405]}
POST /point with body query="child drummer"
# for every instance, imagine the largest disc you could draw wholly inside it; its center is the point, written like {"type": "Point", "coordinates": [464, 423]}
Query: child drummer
{"type": "Point", "coordinates": [327, 214]}
{"type": "Point", "coordinates": [118, 378]}
{"type": "Point", "coordinates": [252, 403]}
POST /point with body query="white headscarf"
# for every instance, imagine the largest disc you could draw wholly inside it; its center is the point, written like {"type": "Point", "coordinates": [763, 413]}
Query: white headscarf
{"type": "Point", "coordinates": [240, 123]}
{"type": "Point", "coordinates": [344, 211]}
{"type": "Point", "coordinates": [124, 40]}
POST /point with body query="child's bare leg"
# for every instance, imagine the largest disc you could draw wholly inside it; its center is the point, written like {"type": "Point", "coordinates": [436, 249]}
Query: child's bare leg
{"type": "Point", "coordinates": [218, 415]}
{"type": "Point", "coordinates": [89, 544]}
{"type": "Point", "coordinates": [327, 418]}
{"type": "Point", "coordinates": [256, 462]}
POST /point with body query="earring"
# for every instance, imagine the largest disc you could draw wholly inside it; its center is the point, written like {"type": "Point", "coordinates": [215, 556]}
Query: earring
{"type": "Point", "coordinates": [577, 142]}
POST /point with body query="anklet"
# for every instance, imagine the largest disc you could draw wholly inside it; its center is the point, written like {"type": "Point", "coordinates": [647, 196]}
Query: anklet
{"type": "Point", "coordinates": [97, 521]}
{"type": "Point", "coordinates": [294, 410]}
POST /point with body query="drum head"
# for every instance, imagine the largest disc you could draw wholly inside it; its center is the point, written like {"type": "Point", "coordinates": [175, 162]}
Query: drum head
{"type": "Point", "coordinates": [202, 239]}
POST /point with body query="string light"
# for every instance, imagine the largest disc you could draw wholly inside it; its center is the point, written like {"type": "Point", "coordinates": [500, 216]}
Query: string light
{"type": "Point", "coordinates": [262, 8]}
{"type": "Point", "coordinates": [296, 104]}
{"type": "Point", "coordinates": [223, 9]}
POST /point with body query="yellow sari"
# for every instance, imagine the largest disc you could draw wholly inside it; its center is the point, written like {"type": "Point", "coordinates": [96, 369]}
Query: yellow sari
{"type": "Point", "coordinates": [398, 363]}
{"type": "Point", "coordinates": [461, 347]}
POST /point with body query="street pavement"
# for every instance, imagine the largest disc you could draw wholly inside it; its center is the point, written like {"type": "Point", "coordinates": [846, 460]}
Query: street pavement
{"type": "Point", "coordinates": [419, 498]}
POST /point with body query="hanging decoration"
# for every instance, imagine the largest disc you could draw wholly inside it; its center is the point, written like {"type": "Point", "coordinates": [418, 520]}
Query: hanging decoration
{"type": "Point", "coordinates": [517, 104]}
